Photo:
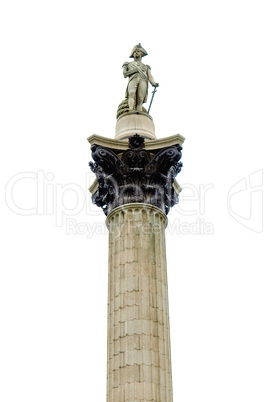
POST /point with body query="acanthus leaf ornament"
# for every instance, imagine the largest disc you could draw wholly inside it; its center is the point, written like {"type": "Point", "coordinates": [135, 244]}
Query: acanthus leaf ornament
{"type": "Point", "coordinates": [136, 175]}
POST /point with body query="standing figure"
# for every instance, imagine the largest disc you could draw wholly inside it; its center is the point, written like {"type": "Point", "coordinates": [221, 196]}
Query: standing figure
{"type": "Point", "coordinates": [139, 74]}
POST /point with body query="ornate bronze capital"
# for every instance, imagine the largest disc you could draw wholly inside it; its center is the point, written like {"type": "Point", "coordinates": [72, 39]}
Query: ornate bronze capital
{"type": "Point", "coordinates": [136, 175]}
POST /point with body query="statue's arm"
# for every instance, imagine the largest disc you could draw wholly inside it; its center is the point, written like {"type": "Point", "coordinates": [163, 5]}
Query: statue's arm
{"type": "Point", "coordinates": [127, 72]}
{"type": "Point", "coordinates": [151, 78]}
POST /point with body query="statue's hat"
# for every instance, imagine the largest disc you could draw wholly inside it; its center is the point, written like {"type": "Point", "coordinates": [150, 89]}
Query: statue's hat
{"type": "Point", "coordinates": [139, 47]}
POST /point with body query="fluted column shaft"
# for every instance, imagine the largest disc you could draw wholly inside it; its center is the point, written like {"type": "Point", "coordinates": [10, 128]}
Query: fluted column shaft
{"type": "Point", "coordinates": [139, 359]}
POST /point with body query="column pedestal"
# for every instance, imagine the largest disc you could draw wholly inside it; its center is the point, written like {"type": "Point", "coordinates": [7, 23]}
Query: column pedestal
{"type": "Point", "coordinates": [134, 123]}
{"type": "Point", "coordinates": [138, 361]}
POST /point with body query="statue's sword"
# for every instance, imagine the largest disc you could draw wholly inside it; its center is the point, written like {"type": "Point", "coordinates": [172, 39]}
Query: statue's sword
{"type": "Point", "coordinates": [153, 93]}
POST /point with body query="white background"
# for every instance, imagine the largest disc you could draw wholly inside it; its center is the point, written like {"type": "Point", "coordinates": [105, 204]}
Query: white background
{"type": "Point", "coordinates": [61, 81]}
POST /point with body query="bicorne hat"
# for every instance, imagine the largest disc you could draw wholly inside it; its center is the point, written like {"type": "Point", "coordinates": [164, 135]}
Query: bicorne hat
{"type": "Point", "coordinates": [139, 47]}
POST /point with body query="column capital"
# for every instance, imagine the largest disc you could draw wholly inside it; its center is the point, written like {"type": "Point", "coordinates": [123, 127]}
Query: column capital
{"type": "Point", "coordinates": [138, 174]}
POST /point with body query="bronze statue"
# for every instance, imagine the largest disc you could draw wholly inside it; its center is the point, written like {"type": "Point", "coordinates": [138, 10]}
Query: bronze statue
{"type": "Point", "coordinates": [139, 74]}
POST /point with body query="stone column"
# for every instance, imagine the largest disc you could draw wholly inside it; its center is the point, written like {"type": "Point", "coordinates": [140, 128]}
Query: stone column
{"type": "Point", "coordinates": [135, 187]}
{"type": "Point", "coordinates": [138, 361]}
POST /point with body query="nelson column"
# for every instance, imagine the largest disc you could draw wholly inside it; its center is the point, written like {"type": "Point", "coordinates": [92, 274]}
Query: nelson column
{"type": "Point", "coordinates": [135, 186]}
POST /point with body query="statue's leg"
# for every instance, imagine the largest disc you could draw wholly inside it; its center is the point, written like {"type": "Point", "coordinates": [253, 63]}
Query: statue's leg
{"type": "Point", "coordinates": [132, 89]}
{"type": "Point", "coordinates": [131, 101]}
{"type": "Point", "coordinates": [141, 94]}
